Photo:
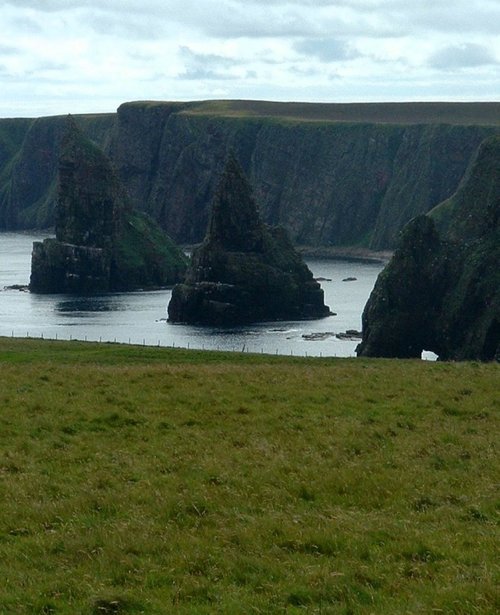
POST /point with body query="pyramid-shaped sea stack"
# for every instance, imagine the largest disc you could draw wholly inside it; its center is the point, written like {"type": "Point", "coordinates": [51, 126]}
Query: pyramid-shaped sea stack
{"type": "Point", "coordinates": [244, 271]}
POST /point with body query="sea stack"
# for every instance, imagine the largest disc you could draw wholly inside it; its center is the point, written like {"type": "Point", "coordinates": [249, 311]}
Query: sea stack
{"type": "Point", "coordinates": [441, 290]}
{"type": "Point", "coordinates": [101, 243]}
{"type": "Point", "coordinates": [244, 271]}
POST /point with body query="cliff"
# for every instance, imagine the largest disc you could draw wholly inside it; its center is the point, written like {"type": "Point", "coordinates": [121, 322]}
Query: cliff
{"type": "Point", "coordinates": [244, 271]}
{"type": "Point", "coordinates": [441, 290]}
{"type": "Point", "coordinates": [332, 175]}
{"type": "Point", "coordinates": [101, 244]}
{"type": "Point", "coordinates": [28, 189]}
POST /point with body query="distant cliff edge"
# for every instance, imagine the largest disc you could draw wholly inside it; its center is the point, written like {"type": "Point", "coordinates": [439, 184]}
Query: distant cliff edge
{"type": "Point", "coordinates": [331, 174]}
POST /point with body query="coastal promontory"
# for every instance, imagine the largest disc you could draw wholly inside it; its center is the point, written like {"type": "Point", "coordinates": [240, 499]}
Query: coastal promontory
{"type": "Point", "coordinates": [244, 271]}
{"type": "Point", "coordinates": [101, 243]}
{"type": "Point", "coordinates": [441, 290]}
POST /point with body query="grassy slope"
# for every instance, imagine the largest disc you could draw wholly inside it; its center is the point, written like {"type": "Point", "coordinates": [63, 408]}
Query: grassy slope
{"type": "Point", "coordinates": [12, 133]}
{"type": "Point", "coordinates": [147, 256]}
{"type": "Point", "coordinates": [148, 480]}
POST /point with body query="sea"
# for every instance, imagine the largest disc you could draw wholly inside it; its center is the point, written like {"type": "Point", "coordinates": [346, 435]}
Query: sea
{"type": "Point", "coordinates": [141, 317]}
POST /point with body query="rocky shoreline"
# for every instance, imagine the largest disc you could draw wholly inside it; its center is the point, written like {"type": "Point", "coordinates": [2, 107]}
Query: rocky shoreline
{"type": "Point", "coordinates": [362, 255]}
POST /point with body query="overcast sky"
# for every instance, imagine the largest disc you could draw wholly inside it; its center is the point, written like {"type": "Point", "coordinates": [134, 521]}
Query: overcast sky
{"type": "Point", "coordinates": [83, 56]}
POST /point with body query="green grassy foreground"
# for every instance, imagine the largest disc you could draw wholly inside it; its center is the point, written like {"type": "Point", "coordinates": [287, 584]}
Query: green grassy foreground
{"type": "Point", "coordinates": [147, 480]}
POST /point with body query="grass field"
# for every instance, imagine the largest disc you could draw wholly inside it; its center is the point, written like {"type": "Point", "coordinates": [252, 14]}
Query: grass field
{"type": "Point", "coordinates": [467, 114]}
{"type": "Point", "coordinates": [147, 480]}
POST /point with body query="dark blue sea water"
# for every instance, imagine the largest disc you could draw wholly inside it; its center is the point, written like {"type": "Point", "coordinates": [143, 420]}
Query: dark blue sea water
{"type": "Point", "coordinates": [140, 317]}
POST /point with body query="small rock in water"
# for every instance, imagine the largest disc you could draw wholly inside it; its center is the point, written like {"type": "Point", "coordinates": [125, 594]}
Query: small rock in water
{"type": "Point", "coordinates": [350, 334]}
{"type": "Point", "coordinates": [315, 337]}
{"type": "Point", "coordinates": [350, 279]}
{"type": "Point", "coordinates": [21, 287]}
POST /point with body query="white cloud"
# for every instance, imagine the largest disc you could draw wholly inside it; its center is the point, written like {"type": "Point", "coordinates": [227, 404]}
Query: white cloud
{"type": "Point", "coordinates": [467, 55]}
{"type": "Point", "coordinates": [326, 49]}
{"type": "Point", "coordinates": [60, 56]}
{"type": "Point", "coordinates": [206, 66]}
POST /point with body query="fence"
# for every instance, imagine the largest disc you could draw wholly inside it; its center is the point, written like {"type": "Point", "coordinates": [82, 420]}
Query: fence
{"type": "Point", "coordinates": [158, 343]}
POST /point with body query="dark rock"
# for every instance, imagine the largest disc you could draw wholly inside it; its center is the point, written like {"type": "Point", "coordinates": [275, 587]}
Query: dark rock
{"type": "Point", "coordinates": [441, 290]}
{"type": "Point", "coordinates": [20, 287]}
{"type": "Point", "coordinates": [318, 336]}
{"type": "Point", "coordinates": [101, 244]}
{"type": "Point", "coordinates": [349, 335]}
{"type": "Point", "coordinates": [58, 267]}
{"type": "Point", "coordinates": [244, 271]}
{"type": "Point", "coordinates": [349, 279]}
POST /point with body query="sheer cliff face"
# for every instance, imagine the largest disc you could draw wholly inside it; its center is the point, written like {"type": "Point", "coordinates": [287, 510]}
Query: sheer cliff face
{"type": "Point", "coordinates": [441, 290]}
{"type": "Point", "coordinates": [327, 183]}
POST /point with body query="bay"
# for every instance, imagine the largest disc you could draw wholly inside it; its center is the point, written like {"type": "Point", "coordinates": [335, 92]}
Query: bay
{"type": "Point", "coordinates": [140, 317]}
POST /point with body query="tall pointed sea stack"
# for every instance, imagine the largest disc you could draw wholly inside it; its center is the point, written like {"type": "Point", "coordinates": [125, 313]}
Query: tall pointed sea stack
{"type": "Point", "coordinates": [244, 271]}
{"type": "Point", "coordinates": [101, 244]}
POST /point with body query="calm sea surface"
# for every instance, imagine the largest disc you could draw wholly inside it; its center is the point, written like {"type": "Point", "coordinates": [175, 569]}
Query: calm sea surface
{"type": "Point", "coordinates": [140, 317]}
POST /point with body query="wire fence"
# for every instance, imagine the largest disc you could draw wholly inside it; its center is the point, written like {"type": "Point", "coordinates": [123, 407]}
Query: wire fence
{"type": "Point", "coordinates": [158, 343]}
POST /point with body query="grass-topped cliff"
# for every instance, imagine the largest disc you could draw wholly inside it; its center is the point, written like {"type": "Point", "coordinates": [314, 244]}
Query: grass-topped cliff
{"type": "Point", "coordinates": [146, 480]}
{"type": "Point", "coordinates": [332, 174]}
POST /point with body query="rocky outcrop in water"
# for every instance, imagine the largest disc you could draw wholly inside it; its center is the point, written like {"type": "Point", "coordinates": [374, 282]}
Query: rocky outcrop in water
{"type": "Point", "coordinates": [244, 271]}
{"type": "Point", "coordinates": [441, 290]}
{"type": "Point", "coordinates": [332, 175]}
{"type": "Point", "coordinates": [101, 244]}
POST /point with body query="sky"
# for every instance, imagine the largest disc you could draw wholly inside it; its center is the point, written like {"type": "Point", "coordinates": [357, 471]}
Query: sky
{"type": "Point", "coordinates": [88, 56]}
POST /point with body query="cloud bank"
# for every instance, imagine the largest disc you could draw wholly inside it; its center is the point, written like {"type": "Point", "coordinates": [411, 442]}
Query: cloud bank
{"type": "Point", "coordinates": [60, 56]}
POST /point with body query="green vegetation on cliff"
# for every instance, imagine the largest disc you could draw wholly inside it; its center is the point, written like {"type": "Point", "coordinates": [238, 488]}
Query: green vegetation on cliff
{"type": "Point", "coordinates": [144, 256]}
{"type": "Point", "coordinates": [199, 483]}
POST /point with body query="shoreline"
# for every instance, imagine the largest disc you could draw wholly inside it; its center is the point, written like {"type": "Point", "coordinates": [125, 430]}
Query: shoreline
{"type": "Point", "coordinates": [353, 254]}
{"type": "Point", "coordinates": [347, 253]}
{"type": "Point", "coordinates": [362, 255]}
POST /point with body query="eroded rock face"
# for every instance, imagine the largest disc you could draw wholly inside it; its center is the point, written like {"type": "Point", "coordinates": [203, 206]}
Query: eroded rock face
{"type": "Point", "coordinates": [244, 271]}
{"type": "Point", "coordinates": [101, 244]}
{"type": "Point", "coordinates": [68, 268]}
{"type": "Point", "coordinates": [441, 290]}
